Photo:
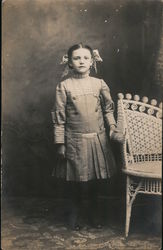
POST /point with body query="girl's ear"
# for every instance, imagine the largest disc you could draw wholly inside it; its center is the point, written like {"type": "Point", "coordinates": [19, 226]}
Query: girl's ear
{"type": "Point", "coordinates": [70, 65]}
{"type": "Point", "coordinates": [92, 62]}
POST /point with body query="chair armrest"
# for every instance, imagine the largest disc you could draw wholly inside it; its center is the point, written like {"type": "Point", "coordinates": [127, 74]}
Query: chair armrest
{"type": "Point", "coordinates": [126, 153]}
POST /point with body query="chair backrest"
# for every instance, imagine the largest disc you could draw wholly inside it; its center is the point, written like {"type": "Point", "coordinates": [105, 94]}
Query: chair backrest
{"type": "Point", "coordinates": [143, 125]}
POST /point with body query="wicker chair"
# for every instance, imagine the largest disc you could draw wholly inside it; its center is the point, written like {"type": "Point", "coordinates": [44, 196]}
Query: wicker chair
{"type": "Point", "coordinates": [142, 150]}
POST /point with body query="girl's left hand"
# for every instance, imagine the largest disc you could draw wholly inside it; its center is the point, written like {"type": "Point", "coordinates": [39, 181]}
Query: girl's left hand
{"type": "Point", "coordinates": [117, 135]}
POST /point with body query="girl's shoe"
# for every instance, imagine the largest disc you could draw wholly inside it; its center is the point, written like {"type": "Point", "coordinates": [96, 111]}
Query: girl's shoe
{"type": "Point", "coordinates": [76, 228]}
{"type": "Point", "coordinates": [96, 225]}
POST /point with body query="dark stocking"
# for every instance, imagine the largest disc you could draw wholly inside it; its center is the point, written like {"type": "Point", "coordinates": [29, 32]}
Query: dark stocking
{"type": "Point", "coordinates": [75, 204]}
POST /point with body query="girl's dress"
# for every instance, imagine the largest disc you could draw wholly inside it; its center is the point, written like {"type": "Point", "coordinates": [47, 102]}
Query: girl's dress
{"type": "Point", "coordinates": [82, 106]}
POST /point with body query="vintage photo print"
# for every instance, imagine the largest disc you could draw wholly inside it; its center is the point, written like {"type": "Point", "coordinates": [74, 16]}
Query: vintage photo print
{"type": "Point", "coordinates": [82, 85]}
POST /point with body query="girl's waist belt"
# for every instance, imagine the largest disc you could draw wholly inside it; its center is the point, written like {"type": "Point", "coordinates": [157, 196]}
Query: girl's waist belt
{"type": "Point", "coordinates": [85, 135]}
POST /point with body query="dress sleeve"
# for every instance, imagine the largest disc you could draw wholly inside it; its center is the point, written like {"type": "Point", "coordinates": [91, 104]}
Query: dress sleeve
{"type": "Point", "coordinates": [58, 113]}
{"type": "Point", "coordinates": [107, 104]}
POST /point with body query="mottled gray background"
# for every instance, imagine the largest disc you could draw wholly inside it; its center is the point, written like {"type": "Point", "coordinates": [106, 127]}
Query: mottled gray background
{"type": "Point", "coordinates": [35, 35]}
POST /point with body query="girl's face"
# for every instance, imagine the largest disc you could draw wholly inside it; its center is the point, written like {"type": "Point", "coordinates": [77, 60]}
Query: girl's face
{"type": "Point", "coordinates": [81, 60]}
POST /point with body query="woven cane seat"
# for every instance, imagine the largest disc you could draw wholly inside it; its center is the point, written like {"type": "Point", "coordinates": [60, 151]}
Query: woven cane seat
{"type": "Point", "coordinates": [145, 169]}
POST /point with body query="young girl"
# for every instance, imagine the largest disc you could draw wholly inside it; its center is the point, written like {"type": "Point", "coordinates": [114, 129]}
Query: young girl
{"type": "Point", "coordinates": [83, 106]}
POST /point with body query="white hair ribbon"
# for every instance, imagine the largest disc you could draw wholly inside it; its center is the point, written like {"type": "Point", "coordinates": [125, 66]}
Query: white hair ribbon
{"type": "Point", "coordinates": [64, 59]}
{"type": "Point", "coordinates": [96, 56]}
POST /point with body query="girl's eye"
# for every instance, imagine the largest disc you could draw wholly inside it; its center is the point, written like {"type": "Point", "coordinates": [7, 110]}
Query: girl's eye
{"type": "Point", "coordinates": [76, 58]}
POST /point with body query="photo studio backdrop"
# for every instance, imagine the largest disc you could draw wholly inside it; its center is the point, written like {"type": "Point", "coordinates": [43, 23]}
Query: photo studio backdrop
{"type": "Point", "coordinates": [35, 36]}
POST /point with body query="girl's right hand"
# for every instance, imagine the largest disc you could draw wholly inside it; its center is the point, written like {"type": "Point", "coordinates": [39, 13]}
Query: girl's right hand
{"type": "Point", "coordinates": [61, 150]}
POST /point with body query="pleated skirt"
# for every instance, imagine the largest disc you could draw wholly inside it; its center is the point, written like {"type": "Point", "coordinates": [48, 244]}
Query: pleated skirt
{"type": "Point", "coordinates": [88, 157]}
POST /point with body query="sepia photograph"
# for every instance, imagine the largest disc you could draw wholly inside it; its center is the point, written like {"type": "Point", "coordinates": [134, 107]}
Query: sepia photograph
{"type": "Point", "coordinates": [82, 90]}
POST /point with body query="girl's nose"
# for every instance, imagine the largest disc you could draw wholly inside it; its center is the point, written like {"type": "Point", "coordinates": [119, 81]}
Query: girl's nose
{"type": "Point", "coordinates": [81, 61]}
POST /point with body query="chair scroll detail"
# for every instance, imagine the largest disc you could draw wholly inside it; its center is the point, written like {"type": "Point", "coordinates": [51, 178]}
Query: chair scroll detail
{"type": "Point", "coordinates": [141, 122]}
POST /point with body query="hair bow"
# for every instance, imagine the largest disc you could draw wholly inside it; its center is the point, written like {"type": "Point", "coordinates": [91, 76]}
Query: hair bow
{"type": "Point", "coordinates": [96, 56]}
{"type": "Point", "coordinates": [64, 59]}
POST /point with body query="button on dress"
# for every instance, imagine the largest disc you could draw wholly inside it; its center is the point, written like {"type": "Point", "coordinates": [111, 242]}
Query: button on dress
{"type": "Point", "coordinates": [82, 107]}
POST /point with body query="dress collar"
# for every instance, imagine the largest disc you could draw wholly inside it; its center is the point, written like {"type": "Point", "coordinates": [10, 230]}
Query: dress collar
{"type": "Point", "coordinates": [80, 76]}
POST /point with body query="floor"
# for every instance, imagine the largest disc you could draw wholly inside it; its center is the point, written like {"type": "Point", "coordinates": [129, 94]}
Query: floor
{"type": "Point", "coordinates": [39, 224]}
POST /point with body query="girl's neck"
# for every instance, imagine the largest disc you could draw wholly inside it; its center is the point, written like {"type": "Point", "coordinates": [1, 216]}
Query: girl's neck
{"type": "Point", "coordinates": [80, 75]}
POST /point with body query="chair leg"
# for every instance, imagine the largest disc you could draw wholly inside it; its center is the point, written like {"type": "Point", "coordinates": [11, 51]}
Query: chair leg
{"type": "Point", "coordinates": [128, 207]}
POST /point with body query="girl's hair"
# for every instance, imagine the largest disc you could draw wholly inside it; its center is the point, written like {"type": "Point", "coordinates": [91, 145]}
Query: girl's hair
{"type": "Point", "coordinates": [75, 47]}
